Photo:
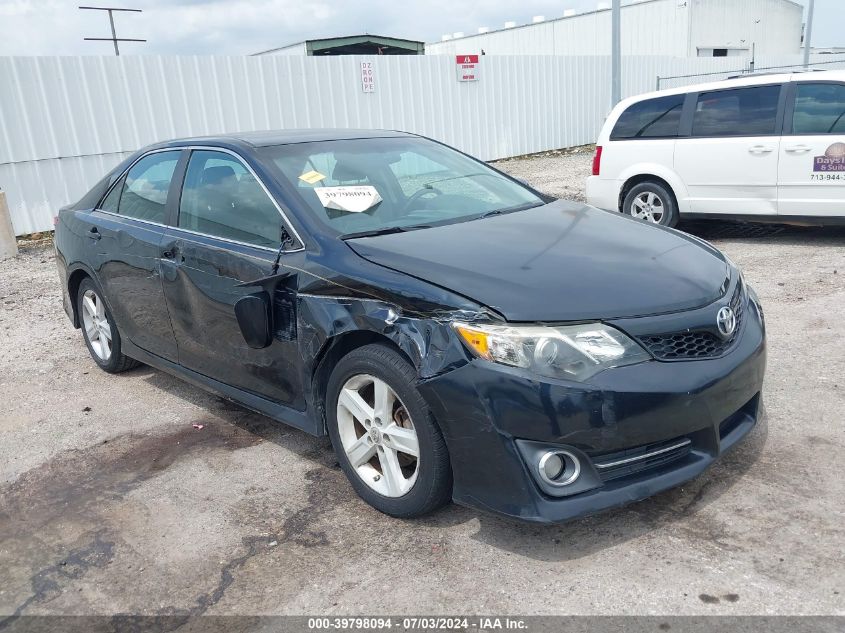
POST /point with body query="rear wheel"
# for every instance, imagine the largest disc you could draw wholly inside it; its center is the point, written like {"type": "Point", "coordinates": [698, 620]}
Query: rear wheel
{"type": "Point", "coordinates": [386, 441]}
{"type": "Point", "coordinates": [99, 330]}
{"type": "Point", "coordinates": [652, 202]}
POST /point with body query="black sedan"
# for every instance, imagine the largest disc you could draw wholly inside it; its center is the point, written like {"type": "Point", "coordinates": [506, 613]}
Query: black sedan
{"type": "Point", "coordinates": [456, 333]}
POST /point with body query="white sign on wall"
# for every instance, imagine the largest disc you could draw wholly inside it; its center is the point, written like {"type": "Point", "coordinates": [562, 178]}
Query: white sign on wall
{"type": "Point", "coordinates": [467, 67]}
{"type": "Point", "coordinates": [368, 77]}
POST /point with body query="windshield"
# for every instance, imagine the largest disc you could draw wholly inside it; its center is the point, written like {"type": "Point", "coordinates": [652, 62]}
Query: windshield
{"type": "Point", "coordinates": [364, 186]}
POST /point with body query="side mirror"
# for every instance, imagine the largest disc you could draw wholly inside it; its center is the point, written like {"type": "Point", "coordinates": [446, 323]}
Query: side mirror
{"type": "Point", "coordinates": [253, 314]}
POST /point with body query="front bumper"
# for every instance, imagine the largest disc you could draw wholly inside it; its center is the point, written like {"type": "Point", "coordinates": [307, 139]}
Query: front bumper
{"type": "Point", "coordinates": [489, 412]}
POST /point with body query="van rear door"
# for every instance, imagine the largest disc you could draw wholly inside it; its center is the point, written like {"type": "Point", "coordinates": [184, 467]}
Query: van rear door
{"type": "Point", "coordinates": [811, 172]}
{"type": "Point", "coordinates": [729, 159]}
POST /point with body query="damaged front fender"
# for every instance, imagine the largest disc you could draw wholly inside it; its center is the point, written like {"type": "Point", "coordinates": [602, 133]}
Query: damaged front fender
{"type": "Point", "coordinates": [329, 326]}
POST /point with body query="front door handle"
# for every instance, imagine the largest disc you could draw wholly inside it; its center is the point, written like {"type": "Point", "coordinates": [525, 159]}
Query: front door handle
{"type": "Point", "coordinates": [798, 149]}
{"type": "Point", "coordinates": [94, 233]}
{"type": "Point", "coordinates": [760, 149]}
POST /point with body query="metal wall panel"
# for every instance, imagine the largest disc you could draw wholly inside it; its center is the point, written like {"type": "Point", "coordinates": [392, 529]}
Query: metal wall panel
{"type": "Point", "coordinates": [653, 27]}
{"type": "Point", "coordinates": [65, 121]}
{"type": "Point", "coordinates": [772, 27]}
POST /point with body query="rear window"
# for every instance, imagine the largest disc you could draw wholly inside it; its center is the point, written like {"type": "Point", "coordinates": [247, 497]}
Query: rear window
{"type": "Point", "coordinates": [819, 109]}
{"type": "Point", "coordinates": [738, 112]}
{"type": "Point", "coordinates": [654, 118]}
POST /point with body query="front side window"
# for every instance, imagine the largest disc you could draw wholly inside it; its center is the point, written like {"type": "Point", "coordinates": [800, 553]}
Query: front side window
{"type": "Point", "coordinates": [142, 194]}
{"type": "Point", "coordinates": [739, 112]}
{"type": "Point", "coordinates": [222, 198]}
{"type": "Point", "coordinates": [374, 184]}
{"type": "Point", "coordinates": [653, 118]}
{"type": "Point", "coordinates": [819, 109]}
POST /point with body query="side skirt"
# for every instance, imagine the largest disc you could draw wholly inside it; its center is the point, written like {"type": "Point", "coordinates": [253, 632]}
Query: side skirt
{"type": "Point", "coordinates": [793, 220]}
{"type": "Point", "coordinates": [301, 420]}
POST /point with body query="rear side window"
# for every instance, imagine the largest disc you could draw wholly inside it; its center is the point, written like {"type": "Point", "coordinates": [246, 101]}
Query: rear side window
{"type": "Point", "coordinates": [112, 201]}
{"type": "Point", "coordinates": [142, 194]}
{"type": "Point", "coordinates": [819, 109]}
{"type": "Point", "coordinates": [654, 118]}
{"type": "Point", "coordinates": [222, 198]}
{"type": "Point", "coordinates": [739, 112]}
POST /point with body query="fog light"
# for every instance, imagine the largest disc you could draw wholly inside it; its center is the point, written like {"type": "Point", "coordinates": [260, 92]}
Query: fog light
{"type": "Point", "coordinates": [559, 468]}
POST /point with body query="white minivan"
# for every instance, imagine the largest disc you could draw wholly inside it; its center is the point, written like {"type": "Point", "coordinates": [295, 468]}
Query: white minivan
{"type": "Point", "coordinates": [767, 147]}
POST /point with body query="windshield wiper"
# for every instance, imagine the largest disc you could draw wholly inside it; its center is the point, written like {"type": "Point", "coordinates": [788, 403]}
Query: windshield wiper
{"type": "Point", "coordinates": [519, 207]}
{"type": "Point", "coordinates": [386, 230]}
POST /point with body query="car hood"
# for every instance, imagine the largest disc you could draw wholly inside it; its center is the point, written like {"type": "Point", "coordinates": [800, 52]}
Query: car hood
{"type": "Point", "coordinates": [561, 261]}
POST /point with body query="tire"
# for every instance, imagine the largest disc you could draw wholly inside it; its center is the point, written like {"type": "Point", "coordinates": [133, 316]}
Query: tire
{"type": "Point", "coordinates": [96, 321]}
{"type": "Point", "coordinates": [652, 202]}
{"type": "Point", "coordinates": [386, 474]}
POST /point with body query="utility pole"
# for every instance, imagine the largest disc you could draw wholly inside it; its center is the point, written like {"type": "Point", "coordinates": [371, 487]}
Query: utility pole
{"type": "Point", "coordinates": [114, 39]}
{"type": "Point", "coordinates": [616, 53]}
{"type": "Point", "coordinates": [808, 33]}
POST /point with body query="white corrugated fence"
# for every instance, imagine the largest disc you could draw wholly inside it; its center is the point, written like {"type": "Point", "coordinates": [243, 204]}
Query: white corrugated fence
{"type": "Point", "coordinates": [65, 121]}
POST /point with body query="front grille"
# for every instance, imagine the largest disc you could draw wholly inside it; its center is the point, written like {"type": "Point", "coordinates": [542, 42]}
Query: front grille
{"type": "Point", "coordinates": [696, 343]}
{"type": "Point", "coordinates": [635, 460]}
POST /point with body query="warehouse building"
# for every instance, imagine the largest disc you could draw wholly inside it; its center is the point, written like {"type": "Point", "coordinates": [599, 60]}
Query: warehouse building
{"type": "Point", "coordinates": [680, 28]}
{"type": "Point", "coordinates": [351, 45]}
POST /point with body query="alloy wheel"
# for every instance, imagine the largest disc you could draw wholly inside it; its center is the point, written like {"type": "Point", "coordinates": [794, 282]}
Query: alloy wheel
{"type": "Point", "coordinates": [648, 206]}
{"type": "Point", "coordinates": [378, 435]}
{"type": "Point", "coordinates": [96, 324]}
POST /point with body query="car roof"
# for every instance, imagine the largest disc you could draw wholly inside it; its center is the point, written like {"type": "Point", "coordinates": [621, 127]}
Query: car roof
{"type": "Point", "coordinates": [760, 79]}
{"type": "Point", "coordinates": [265, 138]}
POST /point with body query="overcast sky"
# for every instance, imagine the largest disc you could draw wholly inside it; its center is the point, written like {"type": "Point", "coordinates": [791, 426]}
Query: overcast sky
{"type": "Point", "coordinates": [234, 27]}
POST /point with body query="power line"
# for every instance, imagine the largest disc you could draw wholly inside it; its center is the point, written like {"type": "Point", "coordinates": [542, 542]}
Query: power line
{"type": "Point", "coordinates": [114, 39]}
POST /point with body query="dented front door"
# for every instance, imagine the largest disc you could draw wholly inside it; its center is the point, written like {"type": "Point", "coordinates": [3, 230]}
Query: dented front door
{"type": "Point", "coordinates": [202, 278]}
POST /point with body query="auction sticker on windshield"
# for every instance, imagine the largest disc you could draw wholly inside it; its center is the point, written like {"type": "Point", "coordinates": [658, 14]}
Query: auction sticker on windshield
{"type": "Point", "coordinates": [353, 199]}
{"type": "Point", "coordinates": [312, 177]}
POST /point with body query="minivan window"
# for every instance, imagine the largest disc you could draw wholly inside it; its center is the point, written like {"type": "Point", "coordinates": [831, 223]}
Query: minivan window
{"type": "Point", "coordinates": [222, 198]}
{"type": "Point", "coordinates": [653, 118]}
{"type": "Point", "coordinates": [143, 192]}
{"type": "Point", "coordinates": [819, 109]}
{"type": "Point", "coordinates": [738, 112]}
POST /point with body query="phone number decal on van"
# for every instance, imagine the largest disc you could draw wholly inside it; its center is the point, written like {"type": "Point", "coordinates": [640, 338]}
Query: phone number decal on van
{"type": "Point", "coordinates": [833, 159]}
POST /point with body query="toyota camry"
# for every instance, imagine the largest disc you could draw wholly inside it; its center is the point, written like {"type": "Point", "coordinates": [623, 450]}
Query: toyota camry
{"type": "Point", "coordinates": [457, 334]}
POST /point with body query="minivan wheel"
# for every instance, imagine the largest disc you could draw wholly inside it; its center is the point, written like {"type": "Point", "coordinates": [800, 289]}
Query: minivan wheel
{"type": "Point", "coordinates": [99, 331]}
{"type": "Point", "coordinates": [385, 438]}
{"type": "Point", "coordinates": [652, 202]}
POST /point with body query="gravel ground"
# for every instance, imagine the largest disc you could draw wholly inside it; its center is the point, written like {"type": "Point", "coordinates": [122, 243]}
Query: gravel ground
{"type": "Point", "coordinates": [111, 502]}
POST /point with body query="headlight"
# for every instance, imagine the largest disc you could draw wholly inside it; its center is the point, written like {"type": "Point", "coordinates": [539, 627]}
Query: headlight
{"type": "Point", "coordinates": [573, 352]}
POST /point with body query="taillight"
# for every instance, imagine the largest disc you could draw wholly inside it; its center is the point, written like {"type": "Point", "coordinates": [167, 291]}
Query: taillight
{"type": "Point", "coordinates": [55, 220]}
{"type": "Point", "coordinates": [597, 161]}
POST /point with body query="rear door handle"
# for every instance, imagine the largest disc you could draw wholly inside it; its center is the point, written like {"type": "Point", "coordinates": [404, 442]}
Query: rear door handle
{"type": "Point", "coordinates": [760, 149]}
{"type": "Point", "coordinates": [94, 233]}
{"type": "Point", "coordinates": [798, 149]}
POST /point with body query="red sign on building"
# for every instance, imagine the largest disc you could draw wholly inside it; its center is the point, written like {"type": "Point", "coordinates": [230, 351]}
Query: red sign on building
{"type": "Point", "coordinates": [467, 66]}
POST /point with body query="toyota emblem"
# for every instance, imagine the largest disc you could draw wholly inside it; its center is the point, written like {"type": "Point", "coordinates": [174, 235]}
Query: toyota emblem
{"type": "Point", "coordinates": [726, 321]}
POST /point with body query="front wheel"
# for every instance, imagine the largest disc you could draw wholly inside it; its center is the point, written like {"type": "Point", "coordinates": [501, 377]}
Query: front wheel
{"type": "Point", "coordinates": [385, 438]}
{"type": "Point", "coordinates": [652, 202]}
